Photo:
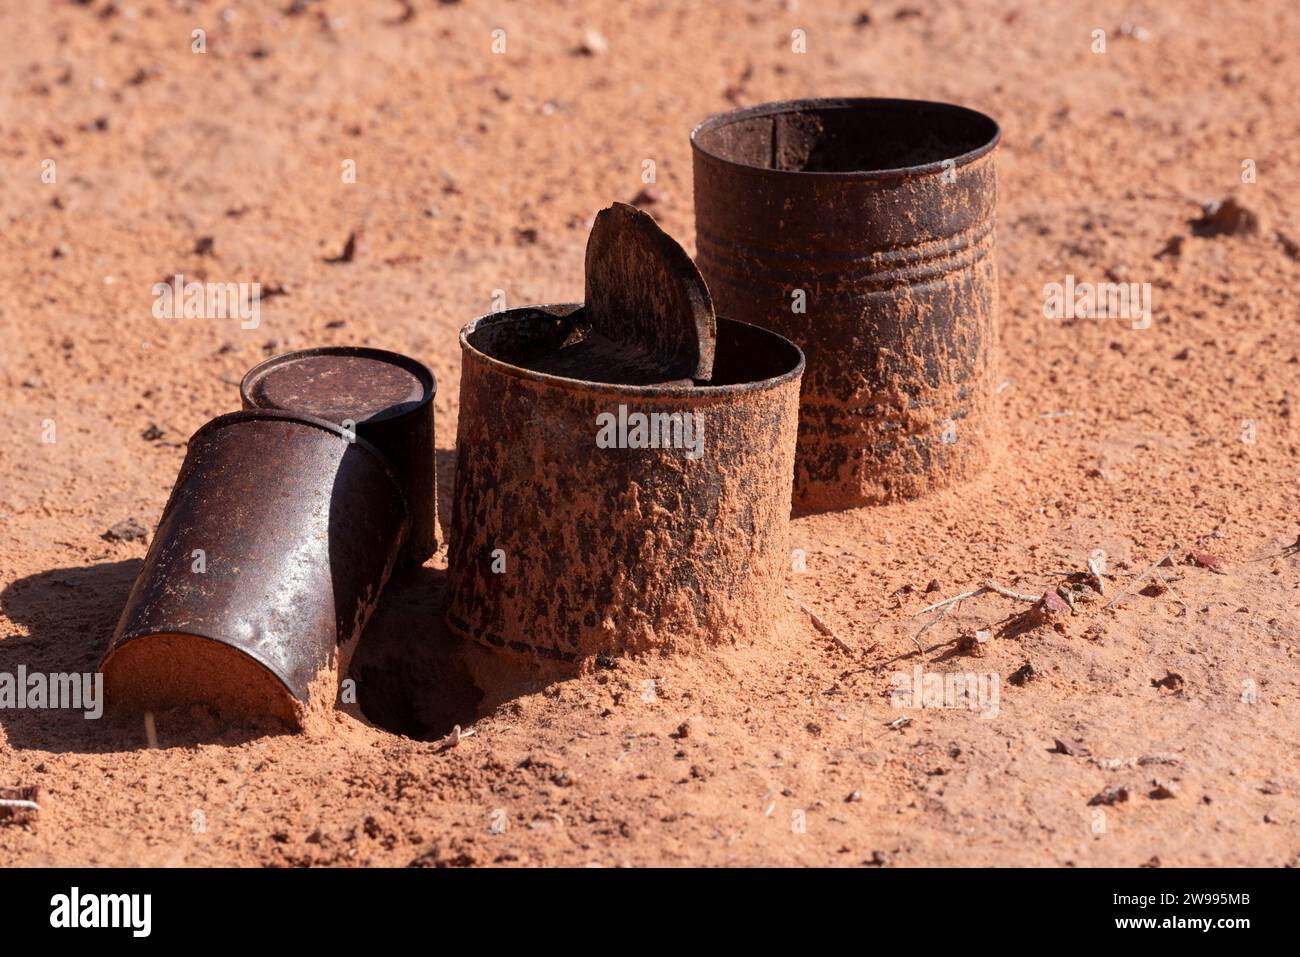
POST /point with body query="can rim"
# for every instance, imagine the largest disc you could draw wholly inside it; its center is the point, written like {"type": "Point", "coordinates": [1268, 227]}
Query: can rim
{"type": "Point", "coordinates": [850, 102]}
{"type": "Point", "coordinates": [414, 366]}
{"type": "Point", "coordinates": [612, 388]}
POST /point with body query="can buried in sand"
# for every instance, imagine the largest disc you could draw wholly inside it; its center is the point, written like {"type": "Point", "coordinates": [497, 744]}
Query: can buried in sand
{"type": "Point", "coordinates": [600, 518]}
{"type": "Point", "coordinates": [605, 505]}
{"type": "Point", "coordinates": [862, 229]}
{"type": "Point", "coordinates": [382, 397]}
{"type": "Point", "coordinates": [278, 537]}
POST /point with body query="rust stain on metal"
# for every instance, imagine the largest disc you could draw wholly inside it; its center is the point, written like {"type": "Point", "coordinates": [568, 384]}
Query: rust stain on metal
{"type": "Point", "coordinates": [565, 549]}
{"type": "Point", "coordinates": [386, 396]}
{"type": "Point", "coordinates": [278, 536]}
{"type": "Point", "coordinates": [876, 217]}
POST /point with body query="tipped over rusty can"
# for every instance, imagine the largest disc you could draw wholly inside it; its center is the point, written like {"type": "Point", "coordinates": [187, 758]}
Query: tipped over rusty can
{"type": "Point", "coordinates": [272, 550]}
{"type": "Point", "coordinates": [597, 518]}
{"type": "Point", "coordinates": [862, 229]}
{"type": "Point", "coordinates": [382, 397]}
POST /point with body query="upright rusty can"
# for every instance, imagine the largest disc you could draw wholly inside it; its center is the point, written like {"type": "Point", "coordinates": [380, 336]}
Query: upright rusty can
{"type": "Point", "coordinates": [575, 535]}
{"type": "Point", "coordinates": [382, 397]}
{"type": "Point", "coordinates": [862, 229]}
{"type": "Point", "coordinates": [278, 537]}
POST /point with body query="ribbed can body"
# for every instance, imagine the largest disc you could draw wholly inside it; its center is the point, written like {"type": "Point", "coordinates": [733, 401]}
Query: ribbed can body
{"type": "Point", "coordinates": [885, 279]}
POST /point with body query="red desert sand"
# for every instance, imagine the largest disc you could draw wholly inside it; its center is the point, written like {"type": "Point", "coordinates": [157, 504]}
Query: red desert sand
{"type": "Point", "coordinates": [476, 177]}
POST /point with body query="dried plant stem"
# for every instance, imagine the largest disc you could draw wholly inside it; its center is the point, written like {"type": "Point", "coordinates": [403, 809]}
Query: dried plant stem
{"type": "Point", "coordinates": [1292, 549]}
{"type": "Point", "coordinates": [1005, 592]}
{"type": "Point", "coordinates": [1170, 588]}
{"type": "Point", "coordinates": [454, 737]}
{"type": "Point", "coordinates": [1094, 570]}
{"type": "Point", "coordinates": [989, 585]}
{"type": "Point", "coordinates": [945, 606]}
{"type": "Point", "coordinates": [949, 601]}
{"type": "Point", "coordinates": [1128, 589]}
{"type": "Point", "coordinates": [821, 626]}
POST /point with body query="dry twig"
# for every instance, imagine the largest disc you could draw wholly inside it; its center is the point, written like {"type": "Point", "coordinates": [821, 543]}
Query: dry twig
{"type": "Point", "coordinates": [454, 737]}
{"type": "Point", "coordinates": [1094, 572]}
{"type": "Point", "coordinates": [821, 626]}
{"type": "Point", "coordinates": [1005, 592]}
{"type": "Point", "coordinates": [1170, 588]}
{"type": "Point", "coordinates": [1287, 552]}
{"type": "Point", "coordinates": [1128, 589]}
{"type": "Point", "coordinates": [947, 604]}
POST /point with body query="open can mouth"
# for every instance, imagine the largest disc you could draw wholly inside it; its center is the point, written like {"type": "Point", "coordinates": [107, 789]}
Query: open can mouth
{"type": "Point", "coordinates": [748, 358]}
{"type": "Point", "coordinates": [847, 137]}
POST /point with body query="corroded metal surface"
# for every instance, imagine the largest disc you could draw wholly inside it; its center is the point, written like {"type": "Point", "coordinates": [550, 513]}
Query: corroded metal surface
{"type": "Point", "coordinates": [277, 539]}
{"type": "Point", "coordinates": [875, 218]}
{"type": "Point", "coordinates": [644, 293]}
{"type": "Point", "coordinates": [565, 549]}
{"type": "Point", "coordinates": [387, 398]}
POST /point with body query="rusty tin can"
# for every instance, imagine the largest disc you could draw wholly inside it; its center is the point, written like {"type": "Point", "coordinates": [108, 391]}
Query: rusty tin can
{"type": "Point", "coordinates": [862, 229]}
{"type": "Point", "coordinates": [569, 539]}
{"type": "Point", "coordinates": [277, 539]}
{"type": "Point", "coordinates": [382, 397]}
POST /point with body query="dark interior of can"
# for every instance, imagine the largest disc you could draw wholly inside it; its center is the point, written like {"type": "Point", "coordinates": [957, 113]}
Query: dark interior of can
{"type": "Point", "coordinates": [844, 137]}
{"type": "Point", "coordinates": [749, 354]}
{"type": "Point", "coordinates": [532, 338]}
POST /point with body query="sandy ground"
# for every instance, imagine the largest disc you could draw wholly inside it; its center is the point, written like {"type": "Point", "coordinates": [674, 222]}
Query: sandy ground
{"type": "Point", "coordinates": [479, 172]}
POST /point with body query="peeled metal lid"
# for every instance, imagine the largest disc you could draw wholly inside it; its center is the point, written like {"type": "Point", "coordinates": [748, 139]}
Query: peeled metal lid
{"type": "Point", "coordinates": [645, 297]}
{"type": "Point", "coordinates": [345, 382]}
